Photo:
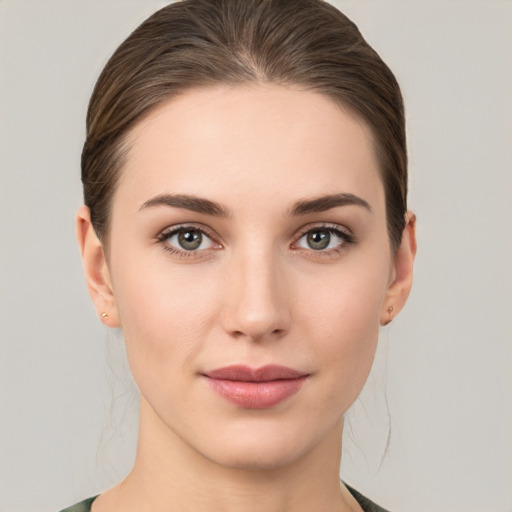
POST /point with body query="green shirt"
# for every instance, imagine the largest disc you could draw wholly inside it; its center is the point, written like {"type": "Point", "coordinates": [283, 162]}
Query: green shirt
{"type": "Point", "coordinates": [366, 504]}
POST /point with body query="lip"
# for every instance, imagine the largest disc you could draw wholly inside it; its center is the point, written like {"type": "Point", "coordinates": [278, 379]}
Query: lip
{"type": "Point", "coordinates": [255, 388]}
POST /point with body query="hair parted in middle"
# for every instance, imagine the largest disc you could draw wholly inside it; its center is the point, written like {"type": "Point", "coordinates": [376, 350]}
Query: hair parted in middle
{"type": "Point", "coordinates": [200, 43]}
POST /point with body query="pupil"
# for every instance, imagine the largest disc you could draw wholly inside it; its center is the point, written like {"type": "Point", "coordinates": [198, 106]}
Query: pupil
{"type": "Point", "coordinates": [319, 240]}
{"type": "Point", "coordinates": [190, 240]}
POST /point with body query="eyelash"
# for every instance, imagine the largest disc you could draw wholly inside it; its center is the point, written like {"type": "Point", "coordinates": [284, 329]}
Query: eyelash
{"type": "Point", "coordinates": [333, 229]}
{"type": "Point", "coordinates": [168, 233]}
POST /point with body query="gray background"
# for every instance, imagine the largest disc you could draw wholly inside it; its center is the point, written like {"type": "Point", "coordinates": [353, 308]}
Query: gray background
{"type": "Point", "coordinates": [67, 406]}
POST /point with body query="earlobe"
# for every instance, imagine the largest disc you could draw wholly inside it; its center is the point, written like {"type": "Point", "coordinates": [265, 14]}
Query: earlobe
{"type": "Point", "coordinates": [400, 287]}
{"type": "Point", "coordinates": [96, 270]}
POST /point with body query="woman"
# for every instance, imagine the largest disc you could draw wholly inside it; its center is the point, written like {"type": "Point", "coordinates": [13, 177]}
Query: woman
{"type": "Point", "coordinates": [245, 224]}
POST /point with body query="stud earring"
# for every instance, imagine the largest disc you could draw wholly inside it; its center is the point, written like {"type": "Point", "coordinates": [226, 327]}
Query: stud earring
{"type": "Point", "coordinates": [390, 319]}
{"type": "Point", "coordinates": [104, 315]}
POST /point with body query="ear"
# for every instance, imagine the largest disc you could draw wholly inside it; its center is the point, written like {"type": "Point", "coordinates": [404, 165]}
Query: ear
{"type": "Point", "coordinates": [96, 270]}
{"type": "Point", "coordinates": [401, 281]}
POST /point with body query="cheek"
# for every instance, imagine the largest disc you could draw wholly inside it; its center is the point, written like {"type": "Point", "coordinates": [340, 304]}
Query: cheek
{"type": "Point", "coordinates": [165, 312]}
{"type": "Point", "coordinates": [344, 319]}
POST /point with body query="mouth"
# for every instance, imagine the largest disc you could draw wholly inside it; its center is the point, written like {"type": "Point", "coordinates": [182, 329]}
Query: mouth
{"type": "Point", "coordinates": [255, 388]}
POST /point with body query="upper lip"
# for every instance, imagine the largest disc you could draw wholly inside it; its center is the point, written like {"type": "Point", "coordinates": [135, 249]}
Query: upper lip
{"type": "Point", "coordinates": [244, 373]}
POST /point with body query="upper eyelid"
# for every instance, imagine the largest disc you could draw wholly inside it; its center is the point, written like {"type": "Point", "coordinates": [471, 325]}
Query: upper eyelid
{"type": "Point", "coordinates": [171, 230]}
{"type": "Point", "coordinates": [347, 237]}
{"type": "Point", "coordinates": [324, 225]}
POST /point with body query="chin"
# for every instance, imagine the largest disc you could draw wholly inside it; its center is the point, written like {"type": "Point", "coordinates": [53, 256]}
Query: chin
{"type": "Point", "coordinates": [254, 458]}
{"type": "Point", "coordinates": [262, 449]}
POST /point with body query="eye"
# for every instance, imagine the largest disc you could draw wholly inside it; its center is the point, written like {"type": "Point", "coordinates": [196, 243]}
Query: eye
{"type": "Point", "coordinates": [324, 238]}
{"type": "Point", "coordinates": [186, 239]}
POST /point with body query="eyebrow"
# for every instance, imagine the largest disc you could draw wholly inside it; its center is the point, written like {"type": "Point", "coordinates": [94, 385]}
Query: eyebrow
{"type": "Point", "coordinates": [207, 207]}
{"type": "Point", "coordinates": [188, 202]}
{"type": "Point", "coordinates": [324, 203]}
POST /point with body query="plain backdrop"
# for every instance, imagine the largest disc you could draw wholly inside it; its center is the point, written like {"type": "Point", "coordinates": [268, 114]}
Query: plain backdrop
{"type": "Point", "coordinates": [442, 380]}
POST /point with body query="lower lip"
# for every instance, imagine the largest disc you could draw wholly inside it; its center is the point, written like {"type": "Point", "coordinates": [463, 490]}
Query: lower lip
{"type": "Point", "coordinates": [256, 395]}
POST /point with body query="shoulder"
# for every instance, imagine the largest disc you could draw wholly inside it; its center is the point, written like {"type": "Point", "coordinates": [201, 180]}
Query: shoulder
{"type": "Point", "coordinates": [83, 506]}
{"type": "Point", "coordinates": [366, 504]}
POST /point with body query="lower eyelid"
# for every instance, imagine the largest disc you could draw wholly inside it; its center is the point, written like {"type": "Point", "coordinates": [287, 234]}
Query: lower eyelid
{"type": "Point", "coordinates": [184, 254]}
{"type": "Point", "coordinates": [345, 237]}
{"type": "Point", "coordinates": [181, 254]}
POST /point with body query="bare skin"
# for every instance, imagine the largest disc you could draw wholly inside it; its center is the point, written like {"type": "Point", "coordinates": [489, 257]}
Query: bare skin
{"type": "Point", "coordinates": [292, 266]}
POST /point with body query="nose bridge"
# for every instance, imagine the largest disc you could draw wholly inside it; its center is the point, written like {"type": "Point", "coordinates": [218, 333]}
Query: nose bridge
{"type": "Point", "coordinates": [256, 306]}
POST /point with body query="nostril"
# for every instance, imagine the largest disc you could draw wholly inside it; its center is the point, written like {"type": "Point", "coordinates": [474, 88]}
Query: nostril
{"type": "Point", "coordinates": [258, 335]}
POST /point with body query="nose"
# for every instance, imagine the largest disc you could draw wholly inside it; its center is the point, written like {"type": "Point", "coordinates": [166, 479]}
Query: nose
{"type": "Point", "coordinates": [256, 301]}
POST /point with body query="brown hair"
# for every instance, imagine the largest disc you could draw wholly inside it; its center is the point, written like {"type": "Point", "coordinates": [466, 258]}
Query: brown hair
{"type": "Point", "coordinates": [196, 43]}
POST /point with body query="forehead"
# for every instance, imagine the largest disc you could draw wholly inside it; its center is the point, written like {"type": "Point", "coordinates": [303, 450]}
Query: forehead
{"type": "Point", "coordinates": [244, 143]}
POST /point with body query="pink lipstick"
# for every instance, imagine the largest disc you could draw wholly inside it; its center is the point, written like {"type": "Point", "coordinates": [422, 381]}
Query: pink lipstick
{"type": "Point", "coordinates": [256, 388]}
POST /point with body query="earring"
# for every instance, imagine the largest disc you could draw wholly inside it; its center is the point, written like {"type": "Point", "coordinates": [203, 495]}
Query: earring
{"type": "Point", "coordinates": [104, 315]}
{"type": "Point", "coordinates": [390, 319]}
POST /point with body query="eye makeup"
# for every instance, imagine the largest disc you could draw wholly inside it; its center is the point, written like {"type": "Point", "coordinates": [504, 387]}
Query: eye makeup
{"type": "Point", "coordinates": [323, 240]}
{"type": "Point", "coordinates": [194, 241]}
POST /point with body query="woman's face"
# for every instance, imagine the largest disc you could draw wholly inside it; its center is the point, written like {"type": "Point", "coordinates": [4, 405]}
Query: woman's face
{"type": "Point", "coordinates": [248, 229]}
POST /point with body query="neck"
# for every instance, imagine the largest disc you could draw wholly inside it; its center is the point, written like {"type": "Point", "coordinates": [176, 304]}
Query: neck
{"type": "Point", "coordinates": [169, 475]}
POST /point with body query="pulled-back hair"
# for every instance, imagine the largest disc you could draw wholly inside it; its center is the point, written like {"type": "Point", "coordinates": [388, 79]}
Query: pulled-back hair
{"type": "Point", "coordinates": [200, 43]}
